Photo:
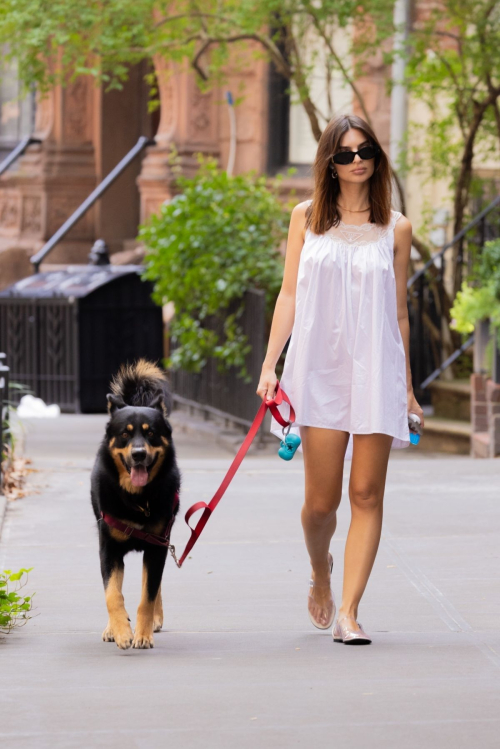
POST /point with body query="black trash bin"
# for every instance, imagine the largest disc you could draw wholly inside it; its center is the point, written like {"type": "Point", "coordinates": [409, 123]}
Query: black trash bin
{"type": "Point", "coordinates": [67, 332]}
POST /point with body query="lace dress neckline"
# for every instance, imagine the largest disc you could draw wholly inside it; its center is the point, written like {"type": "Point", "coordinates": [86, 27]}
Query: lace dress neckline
{"type": "Point", "coordinates": [361, 234]}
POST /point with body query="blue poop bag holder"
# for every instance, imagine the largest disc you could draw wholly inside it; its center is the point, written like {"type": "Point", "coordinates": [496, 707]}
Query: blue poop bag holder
{"type": "Point", "coordinates": [290, 442]}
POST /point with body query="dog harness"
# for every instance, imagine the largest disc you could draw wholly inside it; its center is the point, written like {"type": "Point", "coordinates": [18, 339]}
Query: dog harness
{"type": "Point", "coordinates": [150, 538]}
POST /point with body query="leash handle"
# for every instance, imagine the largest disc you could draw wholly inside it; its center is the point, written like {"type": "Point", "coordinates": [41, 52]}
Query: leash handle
{"type": "Point", "coordinates": [271, 404]}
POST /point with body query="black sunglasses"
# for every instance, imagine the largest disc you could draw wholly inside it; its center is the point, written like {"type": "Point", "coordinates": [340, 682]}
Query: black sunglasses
{"type": "Point", "coordinates": [347, 157]}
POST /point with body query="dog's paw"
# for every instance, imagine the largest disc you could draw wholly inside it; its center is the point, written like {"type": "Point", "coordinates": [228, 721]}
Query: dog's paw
{"type": "Point", "coordinates": [157, 623]}
{"type": "Point", "coordinates": [121, 634]}
{"type": "Point", "coordinates": [108, 635]}
{"type": "Point", "coordinates": [143, 641]}
{"type": "Point", "coordinates": [125, 641]}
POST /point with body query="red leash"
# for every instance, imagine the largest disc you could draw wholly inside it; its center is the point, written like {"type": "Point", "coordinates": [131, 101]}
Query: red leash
{"type": "Point", "coordinates": [208, 509]}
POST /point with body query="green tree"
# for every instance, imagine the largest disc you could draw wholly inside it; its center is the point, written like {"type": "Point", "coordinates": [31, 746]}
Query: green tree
{"type": "Point", "coordinates": [453, 68]}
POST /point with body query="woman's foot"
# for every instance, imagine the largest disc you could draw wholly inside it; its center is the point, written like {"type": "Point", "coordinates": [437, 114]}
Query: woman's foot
{"type": "Point", "coordinates": [349, 631]}
{"type": "Point", "coordinates": [320, 602]}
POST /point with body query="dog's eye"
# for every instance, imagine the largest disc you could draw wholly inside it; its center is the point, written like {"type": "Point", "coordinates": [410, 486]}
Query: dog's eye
{"type": "Point", "coordinates": [125, 435]}
{"type": "Point", "coordinates": [151, 434]}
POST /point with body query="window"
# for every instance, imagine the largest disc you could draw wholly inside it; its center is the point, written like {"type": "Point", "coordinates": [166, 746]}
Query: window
{"type": "Point", "coordinates": [16, 115]}
{"type": "Point", "coordinates": [291, 141]}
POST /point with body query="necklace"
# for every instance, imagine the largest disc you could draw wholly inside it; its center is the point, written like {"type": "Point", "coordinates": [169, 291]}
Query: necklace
{"type": "Point", "coordinates": [347, 209]}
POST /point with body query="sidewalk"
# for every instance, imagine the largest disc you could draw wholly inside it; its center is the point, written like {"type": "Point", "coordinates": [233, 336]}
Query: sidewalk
{"type": "Point", "coordinates": [238, 663]}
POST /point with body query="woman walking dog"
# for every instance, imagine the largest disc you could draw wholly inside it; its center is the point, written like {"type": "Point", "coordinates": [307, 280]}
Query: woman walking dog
{"type": "Point", "coordinates": [347, 372]}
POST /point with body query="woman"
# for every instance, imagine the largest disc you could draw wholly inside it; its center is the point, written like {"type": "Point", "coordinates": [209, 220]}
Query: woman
{"type": "Point", "coordinates": [347, 368]}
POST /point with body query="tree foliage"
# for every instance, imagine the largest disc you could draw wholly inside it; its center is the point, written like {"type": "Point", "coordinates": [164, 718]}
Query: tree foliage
{"type": "Point", "coordinates": [453, 68]}
{"type": "Point", "coordinates": [103, 38]}
{"type": "Point", "coordinates": [480, 298]}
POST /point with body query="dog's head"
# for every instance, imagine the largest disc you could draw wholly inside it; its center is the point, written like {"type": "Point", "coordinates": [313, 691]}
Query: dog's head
{"type": "Point", "coordinates": [138, 439]}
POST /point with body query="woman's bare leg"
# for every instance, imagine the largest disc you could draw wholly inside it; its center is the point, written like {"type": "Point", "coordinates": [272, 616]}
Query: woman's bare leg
{"type": "Point", "coordinates": [324, 451]}
{"type": "Point", "coordinates": [366, 493]}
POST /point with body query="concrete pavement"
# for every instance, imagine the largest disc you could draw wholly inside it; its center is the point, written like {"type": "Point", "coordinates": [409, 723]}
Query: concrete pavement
{"type": "Point", "coordinates": [238, 663]}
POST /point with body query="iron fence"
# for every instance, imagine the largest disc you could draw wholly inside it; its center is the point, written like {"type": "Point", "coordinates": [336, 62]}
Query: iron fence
{"type": "Point", "coordinates": [430, 350]}
{"type": "Point", "coordinates": [226, 393]}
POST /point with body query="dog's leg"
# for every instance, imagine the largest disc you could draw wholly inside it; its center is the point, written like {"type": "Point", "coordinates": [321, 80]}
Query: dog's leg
{"type": "Point", "coordinates": [118, 628]}
{"type": "Point", "coordinates": [152, 571]}
{"type": "Point", "coordinates": [158, 616]}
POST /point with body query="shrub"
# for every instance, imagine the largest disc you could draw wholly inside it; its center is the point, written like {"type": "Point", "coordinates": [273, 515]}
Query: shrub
{"type": "Point", "coordinates": [14, 608]}
{"type": "Point", "coordinates": [482, 300]}
{"type": "Point", "coordinates": [215, 240]}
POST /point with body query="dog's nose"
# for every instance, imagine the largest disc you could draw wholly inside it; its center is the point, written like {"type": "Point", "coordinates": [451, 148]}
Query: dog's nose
{"type": "Point", "coordinates": [139, 454]}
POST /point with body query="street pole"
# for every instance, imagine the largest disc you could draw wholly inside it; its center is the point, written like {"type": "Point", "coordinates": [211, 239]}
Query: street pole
{"type": "Point", "coordinates": [399, 98]}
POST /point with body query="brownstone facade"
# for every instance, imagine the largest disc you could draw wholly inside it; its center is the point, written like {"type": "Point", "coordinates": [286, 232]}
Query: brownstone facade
{"type": "Point", "coordinates": [85, 132]}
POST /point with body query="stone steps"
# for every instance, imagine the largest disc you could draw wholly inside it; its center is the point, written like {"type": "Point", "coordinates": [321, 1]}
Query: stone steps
{"type": "Point", "coordinates": [451, 398]}
{"type": "Point", "coordinates": [446, 435]}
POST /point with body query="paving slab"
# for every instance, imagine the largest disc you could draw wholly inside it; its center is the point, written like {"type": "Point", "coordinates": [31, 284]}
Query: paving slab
{"type": "Point", "coordinates": [238, 663]}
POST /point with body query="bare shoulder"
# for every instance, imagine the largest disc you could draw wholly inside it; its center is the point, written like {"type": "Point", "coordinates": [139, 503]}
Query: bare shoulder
{"type": "Point", "coordinates": [403, 227]}
{"type": "Point", "coordinates": [298, 217]}
{"type": "Point", "coordinates": [299, 211]}
{"type": "Point", "coordinates": [402, 239]}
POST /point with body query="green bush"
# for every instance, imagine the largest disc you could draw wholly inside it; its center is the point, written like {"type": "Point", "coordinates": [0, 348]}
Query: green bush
{"type": "Point", "coordinates": [14, 608]}
{"type": "Point", "coordinates": [481, 300]}
{"type": "Point", "coordinates": [215, 240]}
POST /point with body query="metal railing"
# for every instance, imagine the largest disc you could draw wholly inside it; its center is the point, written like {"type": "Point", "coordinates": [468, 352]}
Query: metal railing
{"type": "Point", "coordinates": [89, 201]}
{"type": "Point", "coordinates": [4, 408]}
{"type": "Point", "coordinates": [18, 151]}
{"type": "Point", "coordinates": [425, 353]}
{"type": "Point", "coordinates": [226, 395]}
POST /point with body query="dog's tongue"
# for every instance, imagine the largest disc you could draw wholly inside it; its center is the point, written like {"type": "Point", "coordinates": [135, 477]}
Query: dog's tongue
{"type": "Point", "coordinates": [139, 476]}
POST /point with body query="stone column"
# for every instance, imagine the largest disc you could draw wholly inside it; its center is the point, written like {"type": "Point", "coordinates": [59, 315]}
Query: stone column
{"type": "Point", "coordinates": [188, 121]}
{"type": "Point", "coordinates": [485, 417]}
{"type": "Point", "coordinates": [493, 415]}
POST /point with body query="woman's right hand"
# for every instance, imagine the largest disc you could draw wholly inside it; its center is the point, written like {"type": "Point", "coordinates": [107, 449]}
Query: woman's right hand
{"type": "Point", "coordinates": [267, 384]}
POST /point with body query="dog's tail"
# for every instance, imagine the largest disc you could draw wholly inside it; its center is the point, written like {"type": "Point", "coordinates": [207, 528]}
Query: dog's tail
{"type": "Point", "coordinates": [140, 383]}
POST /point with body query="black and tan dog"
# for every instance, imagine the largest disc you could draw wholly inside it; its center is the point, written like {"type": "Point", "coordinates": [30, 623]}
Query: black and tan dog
{"type": "Point", "coordinates": [135, 480]}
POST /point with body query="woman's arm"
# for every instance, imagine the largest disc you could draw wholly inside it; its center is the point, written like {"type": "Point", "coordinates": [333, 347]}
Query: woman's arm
{"type": "Point", "coordinates": [284, 310]}
{"type": "Point", "coordinates": [402, 249]}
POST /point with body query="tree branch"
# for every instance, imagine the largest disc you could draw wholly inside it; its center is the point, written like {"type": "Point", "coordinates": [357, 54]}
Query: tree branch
{"type": "Point", "coordinates": [337, 59]}
{"type": "Point", "coordinates": [303, 88]}
{"type": "Point", "coordinates": [184, 16]}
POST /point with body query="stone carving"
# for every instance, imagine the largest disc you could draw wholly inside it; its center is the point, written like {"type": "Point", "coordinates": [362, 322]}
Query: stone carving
{"type": "Point", "coordinates": [60, 209]}
{"type": "Point", "coordinates": [9, 211]}
{"type": "Point", "coordinates": [200, 112]}
{"type": "Point", "coordinates": [32, 214]}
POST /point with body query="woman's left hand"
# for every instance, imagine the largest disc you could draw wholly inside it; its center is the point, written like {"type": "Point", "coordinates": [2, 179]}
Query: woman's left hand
{"type": "Point", "coordinates": [413, 407]}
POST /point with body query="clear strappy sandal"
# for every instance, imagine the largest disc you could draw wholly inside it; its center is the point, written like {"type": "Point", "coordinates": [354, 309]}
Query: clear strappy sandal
{"type": "Point", "coordinates": [326, 613]}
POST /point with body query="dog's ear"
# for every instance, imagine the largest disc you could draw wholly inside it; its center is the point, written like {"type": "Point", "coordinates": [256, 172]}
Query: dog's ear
{"type": "Point", "coordinates": [160, 405]}
{"type": "Point", "coordinates": [115, 402]}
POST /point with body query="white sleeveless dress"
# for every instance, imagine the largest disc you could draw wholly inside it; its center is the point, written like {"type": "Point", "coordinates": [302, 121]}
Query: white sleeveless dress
{"type": "Point", "coordinates": [345, 367]}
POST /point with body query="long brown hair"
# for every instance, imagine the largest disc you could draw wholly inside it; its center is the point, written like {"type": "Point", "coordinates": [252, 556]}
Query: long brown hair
{"type": "Point", "coordinates": [324, 213]}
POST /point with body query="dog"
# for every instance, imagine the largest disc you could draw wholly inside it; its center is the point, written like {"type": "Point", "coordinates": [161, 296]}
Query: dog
{"type": "Point", "coordinates": [135, 484]}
